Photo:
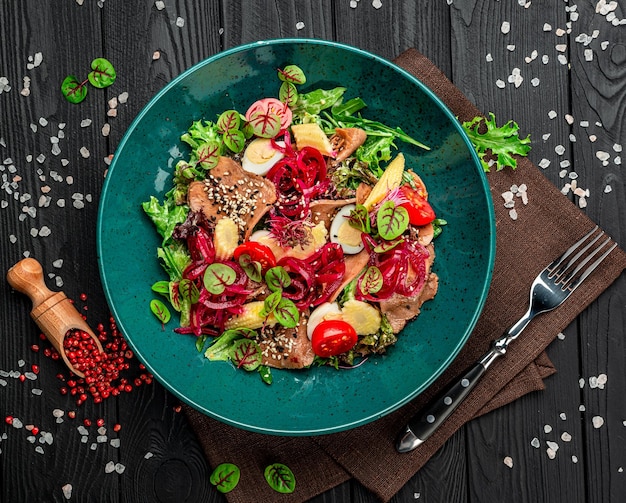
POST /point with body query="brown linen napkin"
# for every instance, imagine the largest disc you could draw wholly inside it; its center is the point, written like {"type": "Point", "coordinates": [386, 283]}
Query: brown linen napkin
{"type": "Point", "coordinates": [544, 228]}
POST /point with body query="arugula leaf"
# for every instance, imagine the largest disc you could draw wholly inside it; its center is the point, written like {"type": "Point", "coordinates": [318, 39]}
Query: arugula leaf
{"type": "Point", "coordinates": [175, 259]}
{"type": "Point", "coordinates": [499, 142]}
{"type": "Point", "coordinates": [314, 102]}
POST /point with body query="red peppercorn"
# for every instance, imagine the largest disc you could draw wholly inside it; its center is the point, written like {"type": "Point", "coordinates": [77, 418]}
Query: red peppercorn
{"type": "Point", "coordinates": [87, 422]}
{"type": "Point", "coordinates": [35, 348]}
{"type": "Point", "coordinates": [8, 419]}
{"type": "Point", "coordinates": [100, 423]}
{"type": "Point", "coordinates": [117, 427]}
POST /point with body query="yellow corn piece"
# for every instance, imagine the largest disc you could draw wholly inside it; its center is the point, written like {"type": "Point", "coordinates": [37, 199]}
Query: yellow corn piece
{"type": "Point", "coordinates": [390, 179]}
{"type": "Point", "coordinates": [251, 317]}
{"type": "Point", "coordinates": [226, 238]}
{"type": "Point", "coordinates": [363, 317]}
{"type": "Point", "coordinates": [311, 135]}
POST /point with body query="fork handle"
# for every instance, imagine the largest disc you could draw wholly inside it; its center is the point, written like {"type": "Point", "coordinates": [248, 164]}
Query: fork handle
{"type": "Point", "coordinates": [438, 410]}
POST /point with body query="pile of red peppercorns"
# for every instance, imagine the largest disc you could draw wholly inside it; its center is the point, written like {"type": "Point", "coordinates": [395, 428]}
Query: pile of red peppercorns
{"type": "Point", "coordinates": [102, 370]}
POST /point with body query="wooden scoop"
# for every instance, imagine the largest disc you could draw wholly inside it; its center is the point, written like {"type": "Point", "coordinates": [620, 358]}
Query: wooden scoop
{"type": "Point", "coordinates": [53, 312]}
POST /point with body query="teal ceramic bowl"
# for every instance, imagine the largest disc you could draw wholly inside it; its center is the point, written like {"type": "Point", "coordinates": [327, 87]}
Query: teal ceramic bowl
{"type": "Point", "coordinates": [318, 400]}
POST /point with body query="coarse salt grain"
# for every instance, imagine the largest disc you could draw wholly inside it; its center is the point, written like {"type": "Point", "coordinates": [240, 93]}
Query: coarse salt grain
{"type": "Point", "coordinates": [597, 421]}
{"type": "Point", "coordinates": [566, 437]}
{"type": "Point", "coordinates": [547, 428]}
{"type": "Point", "coordinates": [506, 27]}
{"type": "Point", "coordinates": [180, 22]}
{"type": "Point", "coordinates": [508, 461]}
{"type": "Point", "coordinates": [535, 443]}
{"type": "Point", "coordinates": [67, 491]}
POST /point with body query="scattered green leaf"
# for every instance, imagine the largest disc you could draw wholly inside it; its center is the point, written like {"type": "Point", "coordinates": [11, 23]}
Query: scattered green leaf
{"type": "Point", "coordinates": [495, 144]}
{"type": "Point", "coordinates": [74, 90]}
{"type": "Point", "coordinates": [391, 220]}
{"type": "Point", "coordinates": [102, 74]}
{"type": "Point", "coordinates": [217, 277]}
{"type": "Point", "coordinates": [225, 477]}
{"type": "Point", "coordinates": [280, 478]}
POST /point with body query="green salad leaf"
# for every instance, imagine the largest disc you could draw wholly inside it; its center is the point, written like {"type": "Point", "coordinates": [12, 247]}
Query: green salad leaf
{"type": "Point", "coordinates": [496, 145]}
{"type": "Point", "coordinates": [280, 478]}
{"type": "Point", "coordinates": [225, 477]}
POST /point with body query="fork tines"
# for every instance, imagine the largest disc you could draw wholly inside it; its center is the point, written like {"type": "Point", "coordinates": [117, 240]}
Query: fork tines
{"type": "Point", "coordinates": [568, 272]}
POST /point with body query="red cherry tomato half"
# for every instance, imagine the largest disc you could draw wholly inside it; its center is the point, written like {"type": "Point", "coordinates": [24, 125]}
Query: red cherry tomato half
{"type": "Point", "coordinates": [258, 253]}
{"type": "Point", "coordinates": [333, 337]}
{"type": "Point", "coordinates": [420, 211]}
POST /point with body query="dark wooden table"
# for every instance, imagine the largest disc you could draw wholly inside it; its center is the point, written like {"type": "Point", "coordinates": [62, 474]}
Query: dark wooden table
{"type": "Point", "coordinates": [556, 67]}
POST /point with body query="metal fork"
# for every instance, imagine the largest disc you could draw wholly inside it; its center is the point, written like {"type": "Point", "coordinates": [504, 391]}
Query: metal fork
{"type": "Point", "coordinates": [549, 290]}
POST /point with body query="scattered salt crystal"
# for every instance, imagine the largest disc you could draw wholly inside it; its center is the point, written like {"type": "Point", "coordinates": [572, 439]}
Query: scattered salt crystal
{"type": "Point", "coordinates": [552, 445]}
{"type": "Point", "coordinates": [489, 58]}
{"type": "Point", "coordinates": [39, 449]}
{"type": "Point", "coordinates": [513, 214]}
{"type": "Point", "coordinates": [559, 149]}
{"type": "Point", "coordinates": [508, 461]}
{"type": "Point", "coordinates": [82, 430]}
{"type": "Point", "coordinates": [544, 163]}
{"type": "Point", "coordinates": [563, 416]}
{"type": "Point", "coordinates": [119, 468]}
{"type": "Point", "coordinates": [547, 27]}
{"type": "Point", "coordinates": [148, 455]}
{"type": "Point", "coordinates": [535, 443]}
{"type": "Point", "coordinates": [597, 421]}
{"type": "Point", "coordinates": [123, 97]}
{"type": "Point", "coordinates": [159, 5]}
{"type": "Point", "coordinates": [617, 147]}
{"type": "Point", "coordinates": [36, 391]}
{"type": "Point", "coordinates": [566, 437]}
{"type": "Point", "coordinates": [115, 442]}
{"type": "Point", "coordinates": [109, 467]}
{"type": "Point", "coordinates": [85, 123]}
{"type": "Point", "coordinates": [592, 138]}
{"type": "Point", "coordinates": [574, 459]}
{"type": "Point", "coordinates": [510, 47]}
{"type": "Point", "coordinates": [608, 189]}
{"type": "Point", "coordinates": [156, 55]}
{"type": "Point", "coordinates": [561, 336]}
{"type": "Point", "coordinates": [547, 428]}
{"type": "Point", "coordinates": [551, 453]}
{"type": "Point", "coordinates": [101, 439]}
{"type": "Point", "coordinates": [535, 82]}
{"type": "Point", "coordinates": [562, 59]}
{"type": "Point", "coordinates": [581, 383]}
{"type": "Point", "coordinates": [545, 59]}
{"type": "Point", "coordinates": [552, 114]}
{"type": "Point", "coordinates": [67, 491]}
{"type": "Point", "coordinates": [17, 424]}
{"type": "Point", "coordinates": [180, 22]}
{"type": "Point", "coordinates": [602, 155]}
{"type": "Point", "coordinates": [113, 102]}
{"type": "Point", "coordinates": [112, 112]}
{"type": "Point", "coordinates": [506, 27]}
{"type": "Point", "coordinates": [500, 83]}
{"type": "Point", "coordinates": [588, 55]}
{"type": "Point", "coordinates": [43, 121]}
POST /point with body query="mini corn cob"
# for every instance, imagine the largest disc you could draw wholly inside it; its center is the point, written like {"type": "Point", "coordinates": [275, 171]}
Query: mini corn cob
{"type": "Point", "coordinates": [226, 238]}
{"type": "Point", "coordinates": [251, 317]}
{"type": "Point", "coordinates": [311, 135]}
{"type": "Point", "coordinates": [390, 179]}
{"type": "Point", "coordinates": [363, 317]}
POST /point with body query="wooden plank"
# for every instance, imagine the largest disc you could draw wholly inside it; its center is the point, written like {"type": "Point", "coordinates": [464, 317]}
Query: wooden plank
{"type": "Point", "coordinates": [29, 125]}
{"type": "Point", "coordinates": [598, 81]}
{"type": "Point", "coordinates": [485, 57]}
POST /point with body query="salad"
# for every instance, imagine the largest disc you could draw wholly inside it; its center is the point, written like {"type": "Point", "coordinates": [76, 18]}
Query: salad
{"type": "Point", "coordinates": [293, 234]}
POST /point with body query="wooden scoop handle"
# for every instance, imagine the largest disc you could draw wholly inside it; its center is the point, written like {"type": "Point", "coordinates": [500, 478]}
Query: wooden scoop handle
{"type": "Point", "coordinates": [27, 277]}
{"type": "Point", "coordinates": [52, 311]}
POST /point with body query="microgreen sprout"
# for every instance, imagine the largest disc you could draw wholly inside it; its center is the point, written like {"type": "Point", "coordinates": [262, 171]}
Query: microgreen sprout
{"type": "Point", "coordinates": [102, 75]}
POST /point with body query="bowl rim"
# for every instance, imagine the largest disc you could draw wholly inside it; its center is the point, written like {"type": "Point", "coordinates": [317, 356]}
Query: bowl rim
{"type": "Point", "coordinates": [444, 109]}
